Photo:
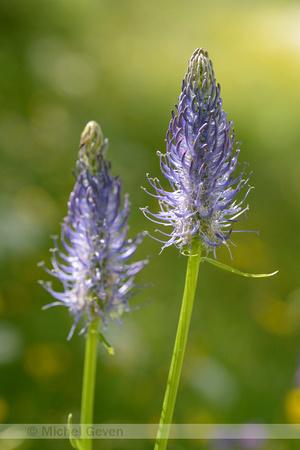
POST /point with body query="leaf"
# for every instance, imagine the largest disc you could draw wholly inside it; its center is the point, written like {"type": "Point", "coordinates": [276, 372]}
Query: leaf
{"type": "Point", "coordinates": [238, 272]}
{"type": "Point", "coordinates": [104, 342]}
{"type": "Point", "coordinates": [76, 443]}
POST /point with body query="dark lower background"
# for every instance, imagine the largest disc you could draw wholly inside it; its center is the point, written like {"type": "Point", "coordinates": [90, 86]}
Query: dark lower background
{"type": "Point", "coordinates": [121, 63]}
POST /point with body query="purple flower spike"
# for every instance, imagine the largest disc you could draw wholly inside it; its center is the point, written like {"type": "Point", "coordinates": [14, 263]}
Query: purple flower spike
{"type": "Point", "coordinates": [92, 263]}
{"type": "Point", "coordinates": [200, 165]}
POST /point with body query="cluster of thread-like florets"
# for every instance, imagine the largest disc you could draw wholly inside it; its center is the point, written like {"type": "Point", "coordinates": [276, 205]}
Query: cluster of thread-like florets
{"type": "Point", "coordinates": [92, 260]}
{"type": "Point", "coordinates": [200, 165]}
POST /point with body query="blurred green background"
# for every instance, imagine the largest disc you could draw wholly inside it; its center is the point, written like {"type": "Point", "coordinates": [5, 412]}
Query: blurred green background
{"type": "Point", "coordinates": [121, 63]}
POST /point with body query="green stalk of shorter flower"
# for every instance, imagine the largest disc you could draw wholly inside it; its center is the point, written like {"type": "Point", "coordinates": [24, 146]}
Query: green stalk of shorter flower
{"type": "Point", "coordinates": [89, 378]}
{"type": "Point", "coordinates": [178, 352]}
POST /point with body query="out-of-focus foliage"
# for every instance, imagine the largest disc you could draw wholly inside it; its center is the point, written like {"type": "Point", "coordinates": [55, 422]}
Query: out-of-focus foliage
{"type": "Point", "coordinates": [121, 63]}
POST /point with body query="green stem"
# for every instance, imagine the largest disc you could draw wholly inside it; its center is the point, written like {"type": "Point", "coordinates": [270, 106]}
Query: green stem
{"type": "Point", "coordinates": [89, 377]}
{"type": "Point", "coordinates": [178, 352]}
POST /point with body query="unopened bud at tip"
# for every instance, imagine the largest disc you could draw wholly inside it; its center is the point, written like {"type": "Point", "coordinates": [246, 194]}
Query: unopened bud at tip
{"type": "Point", "coordinates": [92, 145]}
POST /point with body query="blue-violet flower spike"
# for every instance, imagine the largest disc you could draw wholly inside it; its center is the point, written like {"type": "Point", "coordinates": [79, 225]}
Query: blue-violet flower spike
{"type": "Point", "coordinates": [200, 165]}
{"type": "Point", "coordinates": [92, 263]}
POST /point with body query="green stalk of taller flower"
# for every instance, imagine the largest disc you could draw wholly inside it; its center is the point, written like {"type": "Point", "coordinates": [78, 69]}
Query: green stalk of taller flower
{"type": "Point", "coordinates": [200, 209]}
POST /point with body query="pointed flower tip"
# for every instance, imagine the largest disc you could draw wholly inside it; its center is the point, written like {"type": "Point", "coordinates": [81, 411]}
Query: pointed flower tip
{"type": "Point", "coordinates": [200, 71]}
{"type": "Point", "coordinates": [92, 145]}
{"type": "Point", "coordinates": [92, 134]}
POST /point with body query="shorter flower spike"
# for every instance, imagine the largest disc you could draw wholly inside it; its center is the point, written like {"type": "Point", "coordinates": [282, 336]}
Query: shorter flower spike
{"type": "Point", "coordinates": [200, 165]}
{"type": "Point", "coordinates": [92, 260]}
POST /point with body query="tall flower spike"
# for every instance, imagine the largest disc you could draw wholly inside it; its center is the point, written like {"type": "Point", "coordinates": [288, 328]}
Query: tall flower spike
{"type": "Point", "coordinates": [200, 165]}
{"type": "Point", "coordinates": [92, 263]}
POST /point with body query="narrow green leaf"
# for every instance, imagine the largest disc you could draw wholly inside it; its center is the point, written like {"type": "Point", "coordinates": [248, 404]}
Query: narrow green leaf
{"type": "Point", "coordinates": [76, 443]}
{"type": "Point", "coordinates": [238, 272]}
{"type": "Point", "coordinates": [104, 342]}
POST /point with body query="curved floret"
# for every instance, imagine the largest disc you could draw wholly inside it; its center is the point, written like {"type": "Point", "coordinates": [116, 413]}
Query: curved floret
{"type": "Point", "coordinates": [92, 261]}
{"type": "Point", "coordinates": [200, 165]}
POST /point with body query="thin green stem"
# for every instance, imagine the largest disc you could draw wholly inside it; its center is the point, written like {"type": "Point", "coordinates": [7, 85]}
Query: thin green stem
{"type": "Point", "coordinates": [89, 377]}
{"type": "Point", "coordinates": [178, 352]}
